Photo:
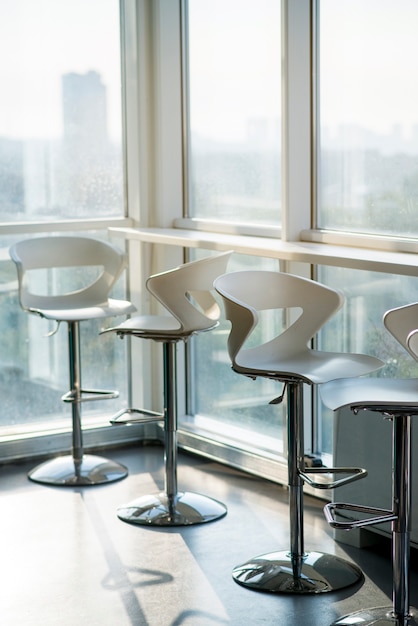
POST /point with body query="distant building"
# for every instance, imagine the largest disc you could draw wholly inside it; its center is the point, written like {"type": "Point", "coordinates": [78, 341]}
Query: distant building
{"type": "Point", "coordinates": [89, 176]}
{"type": "Point", "coordinates": [84, 102]}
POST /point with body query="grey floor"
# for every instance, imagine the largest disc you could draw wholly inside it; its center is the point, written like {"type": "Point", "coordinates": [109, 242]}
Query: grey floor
{"type": "Point", "coordinates": [66, 558]}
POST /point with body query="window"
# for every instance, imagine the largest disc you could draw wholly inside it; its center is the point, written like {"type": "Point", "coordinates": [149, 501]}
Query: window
{"type": "Point", "coordinates": [368, 121]}
{"type": "Point", "coordinates": [358, 326]}
{"type": "Point", "coordinates": [60, 111]}
{"type": "Point", "coordinates": [60, 159]}
{"type": "Point", "coordinates": [234, 177]}
{"type": "Point", "coordinates": [234, 87]}
{"type": "Point", "coordinates": [367, 174]}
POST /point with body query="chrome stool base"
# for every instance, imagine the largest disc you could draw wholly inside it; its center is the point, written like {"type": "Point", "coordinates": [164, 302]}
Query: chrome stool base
{"type": "Point", "coordinates": [382, 616]}
{"type": "Point", "coordinates": [184, 509]}
{"type": "Point", "coordinates": [65, 471]}
{"type": "Point", "coordinates": [319, 573]}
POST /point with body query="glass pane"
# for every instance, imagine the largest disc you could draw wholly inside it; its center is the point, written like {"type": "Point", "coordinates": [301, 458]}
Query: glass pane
{"type": "Point", "coordinates": [229, 403]}
{"type": "Point", "coordinates": [60, 110]}
{"type": "Point", "coordinates": [368, 123]}
{"type": "Point", "coordinates": [358, 326]}
{"type": "Point", "coordinates": [235, 109]}
{"type": "Point", "coordinates": [34, 366]}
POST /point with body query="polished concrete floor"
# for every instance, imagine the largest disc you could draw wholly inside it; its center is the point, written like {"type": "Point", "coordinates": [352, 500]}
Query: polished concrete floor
{"type": "Point", "coordinates": [66, 558]}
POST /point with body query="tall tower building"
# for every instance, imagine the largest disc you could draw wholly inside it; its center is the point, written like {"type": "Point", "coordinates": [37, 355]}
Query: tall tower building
{"type": "Point", "coordinates": [84, 112]}
{"type": "Point", "coordinates": [85, 173]}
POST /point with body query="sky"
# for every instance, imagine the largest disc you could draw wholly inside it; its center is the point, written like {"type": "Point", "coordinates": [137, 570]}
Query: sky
{"type": "Point", "coordinates": [235, 60]}
{"type": "Point", "coordinates": [369, 63]}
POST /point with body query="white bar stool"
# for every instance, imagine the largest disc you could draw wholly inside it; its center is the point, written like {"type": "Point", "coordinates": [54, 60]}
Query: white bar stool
{"type": "Point", "coordinates": [185, 292]}
{"type": "Point", "coordinates": [287, 358]}
{"type": "Point", "coordinates": [396, 399]}
{"type": "Point", "coordinates": [86, 299]}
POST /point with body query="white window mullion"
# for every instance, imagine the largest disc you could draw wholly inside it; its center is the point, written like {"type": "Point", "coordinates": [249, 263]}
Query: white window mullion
{"type": "Point", "coordinates": [153, 132]}
{"type": "Point", "coordinates": [297, 116]}
{"type": "Point", "coordinates": [297, 142]}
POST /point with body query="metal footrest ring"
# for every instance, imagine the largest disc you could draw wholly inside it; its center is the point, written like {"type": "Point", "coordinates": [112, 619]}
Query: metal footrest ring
{"type": "Point", "coordinates": [354, 473]}
{"type": "Point", "coordinates": [379, 515]}
{"type": "Point", "coordinates": [141, 416]}
{"type": "Point", "coordinates": [90, 395]}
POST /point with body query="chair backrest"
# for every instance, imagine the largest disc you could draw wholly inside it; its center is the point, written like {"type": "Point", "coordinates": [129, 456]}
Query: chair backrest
{"type": "Point", "coordinates": [57, 252]}
{"type": "Point", "coordinates": [249, 292]}
{"type": "Point", "coordinates": [402, 323]}
{"type": "Point", "coordinates": [187, 292]}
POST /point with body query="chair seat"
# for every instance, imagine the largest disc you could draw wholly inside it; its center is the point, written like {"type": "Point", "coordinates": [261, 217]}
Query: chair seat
{"type": "Point", "coordinates": [311, 366]}
{"type": "Point", "coordinates": [110, 309]}
{"type": "Point", "coordinates": [383, 394]}
{"type": "Point", "coordinates": [163, 327]}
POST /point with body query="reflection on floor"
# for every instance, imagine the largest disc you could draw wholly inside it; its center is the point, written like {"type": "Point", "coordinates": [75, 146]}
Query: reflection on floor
{"type": "Point", "coordinates": [66, 558]}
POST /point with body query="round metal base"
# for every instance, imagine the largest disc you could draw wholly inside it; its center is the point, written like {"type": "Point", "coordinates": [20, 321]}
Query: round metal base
{"type": "Point", "coordinates": [319, 573]}
{"type": "Point", "coordinates": [64, 471]}
{"type": "Point", "coordinates": [184, 509]}
{"type": "Point", "coordinates": [382, 616]}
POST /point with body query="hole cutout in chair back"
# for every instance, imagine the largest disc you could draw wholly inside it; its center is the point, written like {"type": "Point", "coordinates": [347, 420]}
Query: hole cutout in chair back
{"type": "Point", "coordinates": [187, 292]}
{"type": "Point", "coordinates": [271, 323]}
{"type": "Point", "coordinates": [61, 281]}
{"type": "Point", "coordinates": [247, 293]}
{"type": "Point", "coordinates": [205, 303]}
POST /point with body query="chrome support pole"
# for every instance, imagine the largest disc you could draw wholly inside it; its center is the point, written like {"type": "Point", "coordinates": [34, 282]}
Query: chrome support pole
{"type": "Point", "coordinates": [171, 507]}
{"type": "Point", "coordinates": [295, 437]}
{"type": "Point", "coordinates": [295, 571]}
{"type": "Point", "coordinates": [75, 387]}
{"type": "Point", "coordinates": [170, 417]}
{"type": "Point", "coordinates": [78, 468]}
{"type": "Point", "coordinates": [400, 613]}
{"type": "Point", "coordinates": [401, 527]}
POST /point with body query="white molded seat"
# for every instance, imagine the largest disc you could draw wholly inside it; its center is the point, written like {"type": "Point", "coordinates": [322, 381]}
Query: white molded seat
{"type": "Point", "coordinates": [186, 294]}
{"type": "Point", "coordinates": [290, 359]}
{"type": "Point", "coordinates": [397, 398]}
{"type": "Point", "coordinates": [288, 354]}
{"type": "Point", "coordinates": [97, 266]}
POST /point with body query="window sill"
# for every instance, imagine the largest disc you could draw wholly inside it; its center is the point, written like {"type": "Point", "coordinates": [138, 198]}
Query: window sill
{"type": "Point", "coordinates": [385, 243]}
{"type": "Point", "coordinates": [230, 228]}
{"type": "Point", "coordinates": [312, 252]}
